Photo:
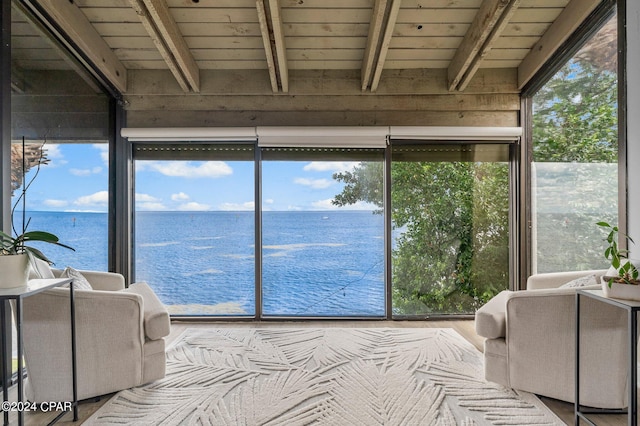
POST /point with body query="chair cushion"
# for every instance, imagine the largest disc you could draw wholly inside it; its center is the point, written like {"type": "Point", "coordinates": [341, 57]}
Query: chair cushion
{"type": "Point", "coordinates": [156, 317]}
{"type": "Point", "coordinates": [491, 318]}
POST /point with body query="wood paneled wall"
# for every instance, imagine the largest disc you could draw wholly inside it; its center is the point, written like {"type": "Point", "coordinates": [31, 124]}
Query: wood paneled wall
{"type": "Point", "coordinates": [322, 98]}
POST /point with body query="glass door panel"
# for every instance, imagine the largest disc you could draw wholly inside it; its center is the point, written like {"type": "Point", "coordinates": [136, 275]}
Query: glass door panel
{"type": "Point", "coordinates": [450, 216]}
{"type": "Point", "coordinates": [322, 255]}
{"type": "Point", "coordinates": [195, 227]}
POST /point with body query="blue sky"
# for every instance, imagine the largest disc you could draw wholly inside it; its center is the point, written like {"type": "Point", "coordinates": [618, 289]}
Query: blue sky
{"type": "Point", "coordinates": [76, 179]}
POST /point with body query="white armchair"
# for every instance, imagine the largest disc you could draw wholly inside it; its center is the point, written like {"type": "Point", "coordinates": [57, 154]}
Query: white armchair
{"type": "Point", "coordinates": [530, 342]}
{"type": "Point", "coordinates": [119, 339]}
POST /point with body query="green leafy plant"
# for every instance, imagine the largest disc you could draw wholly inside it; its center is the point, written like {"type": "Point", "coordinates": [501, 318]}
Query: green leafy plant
{"type": "Point", "coordinates": [627, 272]}
{"type": "Point", "coordinates": [18, 245]}
{"type": "Point", "coordinates": [10, 245]}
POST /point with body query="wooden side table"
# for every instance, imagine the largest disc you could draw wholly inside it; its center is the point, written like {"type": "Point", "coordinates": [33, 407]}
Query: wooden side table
{"type": "Point", "coordinates": [18, 294]}
{"type": "Point", "coordinates": [632, 308]}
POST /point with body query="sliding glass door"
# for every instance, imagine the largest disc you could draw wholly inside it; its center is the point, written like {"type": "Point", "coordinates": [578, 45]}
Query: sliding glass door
{"type": "Point", "coordinates": [450, 215]}
{"type": "Point", "coordinates": [322, 253]}
{"type": "Point", "coordinates": [412, 230]}
{"type": "Point", "coordinates": [195, 226]}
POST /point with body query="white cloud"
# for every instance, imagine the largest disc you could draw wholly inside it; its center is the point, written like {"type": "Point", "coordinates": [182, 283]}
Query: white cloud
{"type": "Point", "coordinates": [53, 151]}
{"type": "Point", "coordinates": [328, 205]}
{"type": "Point", "coordinates": [210, 169]}
{"type": "Point", "coordinates": [249, 205]}
{"type": "Point", "coordinates": [180, 196]}
{"type": "Point", "coordinates": [324, 204]}
{"type": "Point", "coordinates": [104, 151]}
{"type": "Point", "coordinates": [330, 166]}
{"type": "Point", "coordinates": [314, 183]}
{"type": "Point", "coordinates": [85, 172]}
{"type": "Point", "coordinates": [146, 198]}
{"type": "Point", "coordinates": [54, 155]}
{"type": "Point", "coordinates": [150, 206]}
{"type": "Point", "coordinates": [56, 203]}
{"type": "Point", "coordinates": [100, 197]}
{"type": "Point", "coordinates": [193, 206]}
{"type": "Point", "coordinates": [269, 201]}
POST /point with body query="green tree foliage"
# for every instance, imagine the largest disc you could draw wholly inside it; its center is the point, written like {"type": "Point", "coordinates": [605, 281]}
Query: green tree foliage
{"type": "Point", "coordinates": [451, 251]}
{"type": "Point", "coordinates": [575, 116]}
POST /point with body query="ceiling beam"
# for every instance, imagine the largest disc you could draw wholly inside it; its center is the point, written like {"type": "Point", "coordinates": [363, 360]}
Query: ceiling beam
{"type": "Point", "coordinates": [266, 41]}
{"type": "Point", "coordinates": [500, 26]}
{"type": "Point", "coordinates": [373, 42]}
{"type": "Point", "coordinates": [271, 28]}
{"type": "Point", "coordinates": [77, 27]}
{"type": "Point", "coordinates": [163, 30]}
{"type": "Point", "coordinates": [567, 22]}
{"type": "Point", "coordinates": [281, 51]}
{"type": "Point", "coordinates": [391, 15]}
{"type": "Point", "coordinates": [487, 25]}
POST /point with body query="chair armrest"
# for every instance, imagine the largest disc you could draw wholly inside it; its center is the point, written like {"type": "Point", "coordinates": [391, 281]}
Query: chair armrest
{"type": "Point", "coordinates": [156, 317]}
{"type": "Point", "coordinates": [541, 344]}
{"type": "Point", "coordinates": [556, 279]}
{"type": "Point", "coordinates": [491, 318]}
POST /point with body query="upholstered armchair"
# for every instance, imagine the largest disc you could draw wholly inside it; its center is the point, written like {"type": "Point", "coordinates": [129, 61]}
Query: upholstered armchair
{"type": "Point", "coordinates": [530, 342]}
{"type": "Point", "coordinates": [119, 338]}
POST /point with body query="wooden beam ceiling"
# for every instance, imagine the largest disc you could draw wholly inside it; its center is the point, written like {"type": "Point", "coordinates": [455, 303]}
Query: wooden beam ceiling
{"type": "Point", "coordinates": [270, 19]}
{"type": "Point", "coordinates": [567, 22]}
{"type": "Point", "coordinates": [166, 36]}
{"type": "Point", "coordinates": [487, 26]}
{"type": "Point", "coordinates": [77, 27]}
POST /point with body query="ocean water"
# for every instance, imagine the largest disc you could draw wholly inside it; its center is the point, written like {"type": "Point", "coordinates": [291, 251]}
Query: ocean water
{"type": "Point", "coordinates": [313, 263]}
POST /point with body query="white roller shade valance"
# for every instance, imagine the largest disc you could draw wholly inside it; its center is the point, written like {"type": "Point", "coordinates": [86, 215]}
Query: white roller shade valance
{"type": "Point", "coordinates": [455, 133]}
{"type": "Point", "coordinates": [175, 134]}
{"type": "Point", "coordinates": [329, 137]}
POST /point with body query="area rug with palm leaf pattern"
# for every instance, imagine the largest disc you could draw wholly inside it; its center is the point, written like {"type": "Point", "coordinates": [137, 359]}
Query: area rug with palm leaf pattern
{"type": "Point", "coordinates": [327, 376]}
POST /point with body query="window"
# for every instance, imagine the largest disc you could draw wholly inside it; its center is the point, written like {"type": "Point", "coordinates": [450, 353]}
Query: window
{"type": "Point", "coordinates": [67, 196]}
{"type": "Point", "coordinates": [61, 117]}
{"type": "Point", "coordinates": [574, 169]}
{"type": "Point", "coordinates": [399, 228]}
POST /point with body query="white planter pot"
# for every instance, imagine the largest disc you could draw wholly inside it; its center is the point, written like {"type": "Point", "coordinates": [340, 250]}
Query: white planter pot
{"type": "Point", "coordinates": [14, 270]}
{"type": "Point", "coordinates": [621, 291]}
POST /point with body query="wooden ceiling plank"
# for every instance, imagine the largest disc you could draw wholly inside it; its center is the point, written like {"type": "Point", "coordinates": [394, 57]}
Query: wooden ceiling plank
{"type": "Point", "coordinates": [172, 37]}
{"type": "Point", "coordinates": [386, 40]}
{"type": "Point", "coordinates": [504, 19]}
{"type": "Point", "coordinates": [78, 28]}
{"type": "Point", "coordinates": [266, 40]}
{"type": "Point", "coordinates": [373, 41]}
{"type": "Point", "coordinates": [568, 21]}
{"type": "Point", "coordinates": [280, 49]}
{"type": "Point", "coordinates": [485, 20]}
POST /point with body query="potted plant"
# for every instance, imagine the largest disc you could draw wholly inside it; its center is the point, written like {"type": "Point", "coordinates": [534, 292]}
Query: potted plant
{"type": "Point", "coordinates": [16, 255]}
{"type": "Point", "coordinates": [621, 280]}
